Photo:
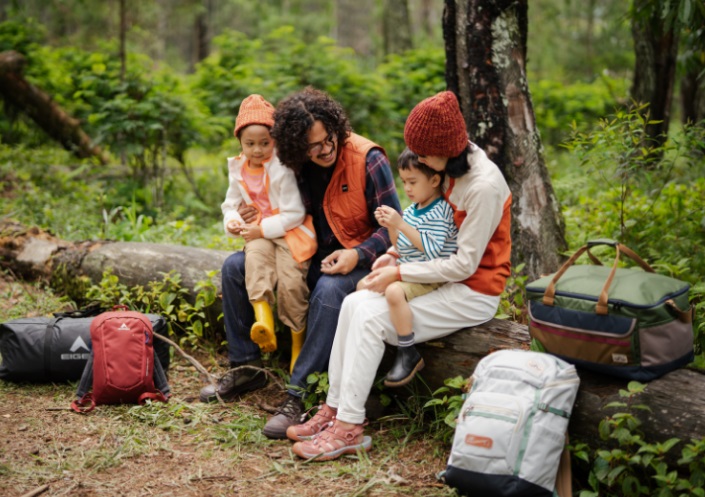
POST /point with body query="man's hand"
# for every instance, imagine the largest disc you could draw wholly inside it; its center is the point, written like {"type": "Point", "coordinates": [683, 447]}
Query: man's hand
{"type": "Point", "coordinates": [388, 217]}
{"type": "Point", "coordinates": [247, 213]}
{"type": "Point", "coordinates": [251, 232]}
{"type": "Point", "coordinates": [379, 279]}
{"type": "Point", "coordinates": [340, 262]}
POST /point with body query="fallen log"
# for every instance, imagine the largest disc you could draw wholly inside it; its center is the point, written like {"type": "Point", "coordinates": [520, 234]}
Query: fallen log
{"type": "Point", "coordinates": [677, 400]}
{"type": "Point", "coordinates": [42, 109]}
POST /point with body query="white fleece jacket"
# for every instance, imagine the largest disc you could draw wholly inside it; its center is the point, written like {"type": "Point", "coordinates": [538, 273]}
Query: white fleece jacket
{"type": "Point", "coordinates": [283, 195]}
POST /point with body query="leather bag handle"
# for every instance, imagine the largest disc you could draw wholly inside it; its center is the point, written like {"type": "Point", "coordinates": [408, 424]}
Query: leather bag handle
{"type": "Point", "coordinates": [601, 308]}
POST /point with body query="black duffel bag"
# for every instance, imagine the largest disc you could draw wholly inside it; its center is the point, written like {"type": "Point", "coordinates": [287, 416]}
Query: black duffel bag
{"type": "Point", "coordinates": [44, 349]}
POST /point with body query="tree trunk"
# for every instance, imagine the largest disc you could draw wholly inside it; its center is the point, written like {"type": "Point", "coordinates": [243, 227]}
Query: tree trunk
{"type": "Point", "coordinates": [486, 67]}
{"type": "Point", "coordinates": [123, 36]}
{"type": "Point", "coordinates": [677, 400]}
{"type": "Point", "coordinates": [202, 33]}
{"type": "Point", "coordinates": [354, 21]}
{"type": "Point", "coordinates": [40, 107]}
{"type": "Point", "coordinates": [693, 95]}
{"type": "Point", "coordinates": [656, 49]}
{"type": "Point", "coordinates": [396, 25]}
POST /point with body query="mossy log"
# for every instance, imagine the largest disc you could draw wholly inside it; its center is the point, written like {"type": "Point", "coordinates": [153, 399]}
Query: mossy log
{"type": "Point", "coordinates": [676, 401]}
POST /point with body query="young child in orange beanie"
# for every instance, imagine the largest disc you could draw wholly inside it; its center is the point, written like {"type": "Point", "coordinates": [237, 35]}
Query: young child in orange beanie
{"type": "Point", "coordinates": [281, 241]}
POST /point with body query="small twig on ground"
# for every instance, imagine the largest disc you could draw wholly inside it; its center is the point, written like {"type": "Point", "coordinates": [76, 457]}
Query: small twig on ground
{"type": "Point", "coordinates": [199, 367]}
{"type": "Point", "coordinates": [209, 376]}
{"type": "Point", "coordinates": [210, 478]}
{"type": "Point", "coordinates": [37, 491]}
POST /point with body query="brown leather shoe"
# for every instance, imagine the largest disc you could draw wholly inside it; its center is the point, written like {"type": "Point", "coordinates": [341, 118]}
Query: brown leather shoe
{"type": "Point", "coordinates": [234, 383]}
{"type": "Point", "coordinates": [289, 413]}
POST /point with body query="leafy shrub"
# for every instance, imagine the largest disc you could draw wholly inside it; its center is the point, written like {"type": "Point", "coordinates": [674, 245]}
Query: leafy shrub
{"type": "Point", "coordinates": [188, 322]}
{"type": "Point", "coordinates": [631, 465]}
{"type": "Point", "coordinates": [281, 63]}
{"type": "Point", "coordinates": [559, 106]}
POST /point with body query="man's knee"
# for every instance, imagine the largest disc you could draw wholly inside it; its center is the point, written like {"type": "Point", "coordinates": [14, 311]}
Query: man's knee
{"type": "Point", "coordinates": [329, 288]}
{"type": "Point", "coordinates": [234, 267]}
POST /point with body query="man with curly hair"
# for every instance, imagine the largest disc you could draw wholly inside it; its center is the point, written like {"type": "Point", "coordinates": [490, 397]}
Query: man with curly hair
{"type": "Point", "coordinates": [342, 178]}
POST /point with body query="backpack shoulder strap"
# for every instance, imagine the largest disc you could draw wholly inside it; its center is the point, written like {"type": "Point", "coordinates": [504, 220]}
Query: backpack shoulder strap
{"type": "Point", "coordinates": [564, 483]}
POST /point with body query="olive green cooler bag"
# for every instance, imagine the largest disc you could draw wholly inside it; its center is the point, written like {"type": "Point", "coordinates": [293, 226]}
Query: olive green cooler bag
{"type": "Point", "coordinates": [630, 323]}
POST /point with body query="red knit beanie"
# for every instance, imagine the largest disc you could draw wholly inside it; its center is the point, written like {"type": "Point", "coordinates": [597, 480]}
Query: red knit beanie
{"type": "Point", "coordinates": [254, 110]}
{"type": "Point", "coordinates": [436, 127]}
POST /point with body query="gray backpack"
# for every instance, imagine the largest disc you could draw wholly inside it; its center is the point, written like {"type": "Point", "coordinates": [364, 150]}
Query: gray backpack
{"type": "Point", "coordinates": [512, 428]}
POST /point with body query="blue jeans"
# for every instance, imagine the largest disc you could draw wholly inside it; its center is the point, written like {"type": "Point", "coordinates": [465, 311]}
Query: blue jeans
{"type": "Point", "coordinates": [327, 294]}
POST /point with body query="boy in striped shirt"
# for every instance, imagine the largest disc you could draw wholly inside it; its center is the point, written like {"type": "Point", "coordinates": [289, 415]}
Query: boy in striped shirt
{"type": "Point", "coordinates": [424, 231]}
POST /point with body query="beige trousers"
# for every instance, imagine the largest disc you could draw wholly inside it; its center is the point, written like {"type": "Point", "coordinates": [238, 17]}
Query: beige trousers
{"type": "Point", "coordinates": [269, 265]}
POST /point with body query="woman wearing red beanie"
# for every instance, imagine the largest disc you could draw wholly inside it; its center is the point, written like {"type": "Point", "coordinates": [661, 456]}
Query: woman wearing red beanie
{"type": "Point", "coordinates": [475, 276]}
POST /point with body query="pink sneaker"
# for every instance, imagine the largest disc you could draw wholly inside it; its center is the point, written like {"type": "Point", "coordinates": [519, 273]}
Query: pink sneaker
{"type": "Point", "coordinates": [319, 422]}
{"type": "Point", "coordinates": [333, 442]}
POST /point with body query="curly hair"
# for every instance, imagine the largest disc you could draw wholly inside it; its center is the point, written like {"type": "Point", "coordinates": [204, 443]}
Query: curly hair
{"type": "Point", "coordinates": [295, 116]}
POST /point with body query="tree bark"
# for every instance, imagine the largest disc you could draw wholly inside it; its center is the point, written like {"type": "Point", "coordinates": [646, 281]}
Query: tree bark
{"type": "Point", "coordinates": [123, 37]}
{"type": "Point", "coordinates": [656, 49]}
{"type": "Point", "coordinates": [677, 400]}
{"type": "Point", "coordinates": [693, 95]}
{"type": "Point", "coordinates": [40, 107]}
{"type": "Point", "coordinates": [396, 26]}
{"type": "Point", "coordinates": [486, 68]}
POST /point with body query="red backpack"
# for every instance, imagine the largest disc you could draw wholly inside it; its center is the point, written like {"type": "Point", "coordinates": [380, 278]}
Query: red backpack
{"type": "Point", "coordinates": [122, 367]}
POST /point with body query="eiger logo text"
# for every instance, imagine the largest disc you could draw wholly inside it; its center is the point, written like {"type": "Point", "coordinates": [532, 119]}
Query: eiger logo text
{"type": "Point", "coordinates": [123, 327]}
{"type": "Point", "coordinates": [477, 441]}
{"type": "Point", "coordinates": [79, 344]}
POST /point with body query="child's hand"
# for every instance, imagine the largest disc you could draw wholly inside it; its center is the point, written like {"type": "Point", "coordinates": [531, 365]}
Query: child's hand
{"type": "Point", "coordinates": [251, 232]}
{"type": "Point", "coordinates": [234, 227]}
{"type": "Point", "coordinates": [388, 217]}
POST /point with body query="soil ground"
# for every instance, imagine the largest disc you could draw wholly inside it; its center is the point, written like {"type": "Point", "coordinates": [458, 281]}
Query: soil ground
{"type": "Point", "coordinates": [186, 448]}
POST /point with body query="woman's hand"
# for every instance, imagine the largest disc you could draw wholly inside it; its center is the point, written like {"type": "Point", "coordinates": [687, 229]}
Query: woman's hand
{"type": "Point", "coordinates": [251, 232]}
{"type": "Point", "coordinates": [384, 260]}
{"type": "Point", "coordinates": [340, 262]}
{"type": "Point", "coordinates": [247, 213]}
{"type": "Point", "coordinates": [388, 217]}
{"type": "Point", "coordinates": [379, 279]}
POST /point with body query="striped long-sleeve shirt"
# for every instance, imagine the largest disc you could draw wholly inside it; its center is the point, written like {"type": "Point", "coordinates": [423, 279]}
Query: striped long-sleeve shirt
{"type": "Point", "coordinates": [438, 232]}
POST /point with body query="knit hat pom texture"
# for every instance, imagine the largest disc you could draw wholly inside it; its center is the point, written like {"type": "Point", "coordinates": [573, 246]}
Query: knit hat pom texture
{"type": "Point", "coordinates": [436, 127]}
{"type": "Point", "coordinates": [254, 110]}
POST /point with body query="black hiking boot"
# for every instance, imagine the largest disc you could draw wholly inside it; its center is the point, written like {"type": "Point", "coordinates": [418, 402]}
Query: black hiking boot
{"type": "Point", "coordinates": [234, 383]}
{"type": "Point", "coordinates": [407, 363]}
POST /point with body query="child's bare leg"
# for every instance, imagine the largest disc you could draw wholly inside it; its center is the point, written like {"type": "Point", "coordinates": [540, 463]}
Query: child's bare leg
{"type": "Point", "coordinates": [408, 361]}
{"type": "Point", "coordinates": [399, 310]}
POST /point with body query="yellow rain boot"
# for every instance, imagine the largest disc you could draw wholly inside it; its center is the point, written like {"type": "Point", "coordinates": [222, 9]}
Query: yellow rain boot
{"type": "Point", "coordinates": [262, 332]}
{"type": "Point", "coordinates": [297, 341]}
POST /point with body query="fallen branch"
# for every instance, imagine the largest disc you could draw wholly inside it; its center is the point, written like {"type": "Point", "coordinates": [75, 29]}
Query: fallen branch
{"type": "Point", "coordinates": [37, 491]}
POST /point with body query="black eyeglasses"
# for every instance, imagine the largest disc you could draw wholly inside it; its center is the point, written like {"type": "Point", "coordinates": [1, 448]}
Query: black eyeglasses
{"type": "Point", "coordinates": [317, 148]}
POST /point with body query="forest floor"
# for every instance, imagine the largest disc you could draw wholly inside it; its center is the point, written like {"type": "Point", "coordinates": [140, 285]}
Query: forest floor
{"type": "Point", "coordinates": [187, 448]}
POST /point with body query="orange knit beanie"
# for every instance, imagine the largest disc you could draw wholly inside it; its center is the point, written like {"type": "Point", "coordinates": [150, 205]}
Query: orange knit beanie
{"type": "Point", "coordinates": [436, 127]}
{"type": "Point", "coordinates": [254, 110]}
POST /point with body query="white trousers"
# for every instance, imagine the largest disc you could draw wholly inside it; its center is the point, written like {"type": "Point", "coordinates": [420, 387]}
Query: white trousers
{"type": "Point", "coordinates": [364, 326]}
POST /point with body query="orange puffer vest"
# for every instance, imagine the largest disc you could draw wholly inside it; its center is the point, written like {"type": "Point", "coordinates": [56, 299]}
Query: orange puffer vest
{"type": "Point", "coordinates": [344, 202]}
